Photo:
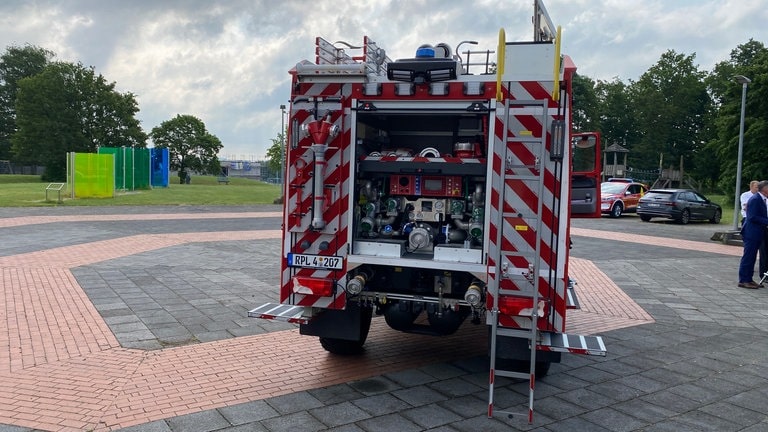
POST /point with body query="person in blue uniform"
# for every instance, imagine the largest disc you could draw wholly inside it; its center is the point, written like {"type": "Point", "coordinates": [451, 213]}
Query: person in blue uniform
{"type": "Point", "coordinates": [752, 233]}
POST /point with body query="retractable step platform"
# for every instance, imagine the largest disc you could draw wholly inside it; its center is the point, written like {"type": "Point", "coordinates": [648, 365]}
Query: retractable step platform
{"type": "Point", "coordinates": [575, 344]}
{"type": "Point", "coordinates": [280, 312]}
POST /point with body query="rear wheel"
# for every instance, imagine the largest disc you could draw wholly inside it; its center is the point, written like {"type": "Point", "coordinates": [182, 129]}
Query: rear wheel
{"type": "Point", "coordinates": [716, 217]}
{"type": "Point", "coordinates": [346, 346]}
{"type": "Point", "coordinates": [685, 217]}
{"type": "Point", "coordinates": [645, 218]}
{"type": "Point", "coordinates": [617, 209]}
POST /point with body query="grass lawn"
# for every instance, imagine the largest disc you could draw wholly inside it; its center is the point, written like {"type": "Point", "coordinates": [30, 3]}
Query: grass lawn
{"type": "Point", "coordinates": [29, 191]}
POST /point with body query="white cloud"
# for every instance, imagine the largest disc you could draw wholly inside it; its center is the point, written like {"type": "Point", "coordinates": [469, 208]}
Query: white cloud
{"type": "Point", "coordinates": [227, 63]}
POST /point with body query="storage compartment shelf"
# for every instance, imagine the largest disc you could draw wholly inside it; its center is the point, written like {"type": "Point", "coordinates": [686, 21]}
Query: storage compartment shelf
{"type": "Point", "coordinates": [423, 165]}
{"type": "Point", "coordinates": [425, 261]}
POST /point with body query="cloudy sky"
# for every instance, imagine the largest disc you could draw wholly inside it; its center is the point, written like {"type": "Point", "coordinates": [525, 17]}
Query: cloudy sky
{"type": "Point", "coordinates": [227, 62]}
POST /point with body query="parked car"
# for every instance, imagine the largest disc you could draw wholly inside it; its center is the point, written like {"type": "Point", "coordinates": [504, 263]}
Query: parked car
{"type": "Point", "coordinates": [682, 205]}
{"type": "Point", "coordinates": [618, 197]}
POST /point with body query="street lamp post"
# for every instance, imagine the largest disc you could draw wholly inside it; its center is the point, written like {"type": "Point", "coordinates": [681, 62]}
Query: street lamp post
{"type": "Point", "coordinates": [737, 202]}
{"type": "Point", "coordinates": [282, 143]}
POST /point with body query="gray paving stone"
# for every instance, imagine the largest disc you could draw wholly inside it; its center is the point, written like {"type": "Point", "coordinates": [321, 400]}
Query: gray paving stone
{"type": "Point", "coordinates": [734, 414]}
{"type": "Point", "coordinates": [443, 371]}
{"type": "Point", "coordinates": [375, 385]}
{"type": "Point", "coordinates": [592, 375]}
{"type": "Point", "coordinates": [454, 387]}
{"type": "Point", "coordinates": [346, 428]}
{"type": "Point", "coordinates": [248, 412]}
{"type": "Point", "coordinates": [247, 427]}
{"type": "Point", "coordinates": [339, 414]}
{"type": "Point", "coordinates": [11, 428]}
{"type": "Point", "coordinates": [411, 377]}
{"type": "Point", "coordinates": [335, 394]}
{"type": "Point", "coordinates": [612, 419]}
{"type": "Point", "coordinates": [209, 336]}
{"type": "Point", "coordinates": [381, 404]}
{"type": "Point", "coordinates": [155, 426]}
{"type": "Point", "coordinates": [696, 392]}
{"type": "Point", "coordinates": [295, 422]}
{"type": "Point", "coordinates": [670, 400]}
{"type": "Point", "coordinates": [431, 416]}
{"type": "Point", "coordinates": [576, 424]}
{"type": "Point", "coordinates": [759, 427]}
{"type": "Point", "coordinates": [294, 402]}
{"type": "Point", "coordinates": [134, 336]}
{"type": "Point", "coordinates": [204, 421]}
{"type": "Point", "coordinates": [389, 423]}
{"type": "Point", "coordinates": [587, 398]}
{"type": "Point", "coordinates": [703, 421]}
{"type": "Point", "coordinates": [466, 406]}
{"type": "Point", "coordinates": [416, 396]}
{"type": "Point", "coordinates": [483, 423]}
{"type": "Point", "coordinates": [557, 408]}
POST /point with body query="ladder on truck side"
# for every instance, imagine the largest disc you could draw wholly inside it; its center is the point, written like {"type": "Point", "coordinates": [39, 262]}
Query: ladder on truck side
{"type": "Point", "coordinates": [524, 176]}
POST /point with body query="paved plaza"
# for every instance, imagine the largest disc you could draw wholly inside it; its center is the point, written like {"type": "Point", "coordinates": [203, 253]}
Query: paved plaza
{"type": "Point", "coordinates": [134, 319]}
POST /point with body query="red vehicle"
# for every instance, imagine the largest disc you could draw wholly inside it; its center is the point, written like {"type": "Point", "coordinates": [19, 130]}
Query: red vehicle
{"type": "Point", "coordinates": [619, 196]}
{"type": "Point", "coordinates": [431, 194]}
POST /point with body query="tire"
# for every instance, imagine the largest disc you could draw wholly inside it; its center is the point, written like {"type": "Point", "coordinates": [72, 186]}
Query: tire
{"type": "Point", "coordinates": [685, 217]}
{"type": "Point", "coordinates": [645, 218]}
{"type": "Point", "coordinates": [716, 217]}
{"type": "Point", "coordinates": [617, 209]}
{"type": "Point", "coordinates": [350, 347]}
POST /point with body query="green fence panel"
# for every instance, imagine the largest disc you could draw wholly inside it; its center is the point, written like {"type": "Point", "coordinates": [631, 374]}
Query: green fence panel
{"type": "Point", "coordinates": [131, 167]}
{"type": "Point", "coordinates": [141, 168]}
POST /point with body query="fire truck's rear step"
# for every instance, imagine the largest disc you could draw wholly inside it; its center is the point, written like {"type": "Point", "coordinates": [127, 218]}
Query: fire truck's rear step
{"type": "Point", "coordinates": [575, 344]}
{"type": "Point", "coordinates": [560, 342]}
{"type": "Point", "coordinates": [280, 312]}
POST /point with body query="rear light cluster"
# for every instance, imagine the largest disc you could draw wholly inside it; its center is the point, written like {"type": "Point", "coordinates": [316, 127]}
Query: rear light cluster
{"type": "Point", "coordinates": [312, 286]}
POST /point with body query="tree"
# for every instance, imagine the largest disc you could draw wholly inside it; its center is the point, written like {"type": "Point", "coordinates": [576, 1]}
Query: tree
{"type": "Point", "coordinates": [68, 108]}
{"type": "Point", "coordinates": [616, 113]}
{"type": "Point", "coordinates": [190, 145]}
{"type": "Point", "coordinates": [585, 104]}
{"type": "Point", "coordinates": [751, 60]}
{"type": "Point", "coordinates": [672, 106]}
{"type": "Point", "coordinates": [275, 153]}
{"type": "Point", "coordinates": [15, 64]}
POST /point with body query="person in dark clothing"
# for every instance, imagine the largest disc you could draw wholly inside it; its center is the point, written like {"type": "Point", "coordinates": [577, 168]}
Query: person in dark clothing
{"type": "Point", "coordinates": [752, 233]}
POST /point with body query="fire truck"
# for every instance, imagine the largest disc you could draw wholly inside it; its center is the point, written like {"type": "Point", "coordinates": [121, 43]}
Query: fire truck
{"type": "Point", "coordinates": [433, 190]}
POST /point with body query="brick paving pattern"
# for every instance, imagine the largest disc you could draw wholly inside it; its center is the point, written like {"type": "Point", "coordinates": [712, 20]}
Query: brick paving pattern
{"type": "Point", "coordinates": [62, 367]}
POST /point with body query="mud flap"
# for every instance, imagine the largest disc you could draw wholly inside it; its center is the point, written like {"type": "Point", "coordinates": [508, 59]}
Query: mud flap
{"type": "Point", "coordinates": [514, 348]}
{"type": "Point", "coordinates": [351, 323]}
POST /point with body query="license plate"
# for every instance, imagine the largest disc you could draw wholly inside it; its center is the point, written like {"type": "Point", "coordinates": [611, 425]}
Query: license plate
{"type": "Point", "coordinates": [653, 205]}
{"type": "Point", "coordinates": [314, 261]}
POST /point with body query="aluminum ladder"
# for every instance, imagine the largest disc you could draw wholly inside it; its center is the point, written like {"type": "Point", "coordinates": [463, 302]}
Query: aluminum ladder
{"type": "Point", "coordinates": [519, 175]}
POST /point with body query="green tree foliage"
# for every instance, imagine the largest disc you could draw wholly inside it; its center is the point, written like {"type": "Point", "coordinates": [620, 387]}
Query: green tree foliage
{"type": "Point", "coordinates": [751, 61]}
{"type": "Point", "coordinates": [16, 63]}
{"type": "Point", "coordinates": [274, 154]}
{"type": "Point", "coordinates": [190, 146]}
{"type": "Point", "coordinates": [585, 104]}
{"type": "Point", "coordinates": [672, 107]}
{"type": "Point", "coordinates": [68, 108]}
{"type": "Point", "coordinates": [616, 113]}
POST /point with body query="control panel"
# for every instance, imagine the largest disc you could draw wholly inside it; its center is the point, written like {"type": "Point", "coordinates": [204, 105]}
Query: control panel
{"type": "Point", "coordinates": [425, 185]}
